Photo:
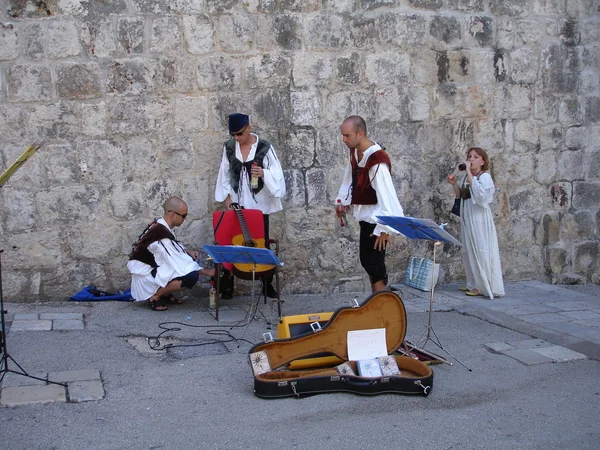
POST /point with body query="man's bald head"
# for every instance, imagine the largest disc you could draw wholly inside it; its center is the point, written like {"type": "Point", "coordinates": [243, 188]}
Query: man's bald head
{"type": "Point", "coordinates": [357, 123]}
{"type": "Point", "coordinates": [174, 204]}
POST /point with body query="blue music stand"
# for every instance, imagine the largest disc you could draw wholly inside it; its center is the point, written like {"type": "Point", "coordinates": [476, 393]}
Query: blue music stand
{"type": "Point", "coordinates": [237, 254]}
{"type": "Point", "coordinates": [415, 228]}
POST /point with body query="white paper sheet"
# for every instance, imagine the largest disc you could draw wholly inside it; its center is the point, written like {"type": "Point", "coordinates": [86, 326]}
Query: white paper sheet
{"type": "Point", "coordinates": [366, 344]}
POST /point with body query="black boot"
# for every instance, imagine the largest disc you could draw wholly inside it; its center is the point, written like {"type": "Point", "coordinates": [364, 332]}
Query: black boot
{"type": "Point", "coordinates": [268, 288]}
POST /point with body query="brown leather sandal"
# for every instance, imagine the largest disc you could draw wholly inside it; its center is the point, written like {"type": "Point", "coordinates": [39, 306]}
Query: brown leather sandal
{"type": "Point", "coordinates": [156, 304]}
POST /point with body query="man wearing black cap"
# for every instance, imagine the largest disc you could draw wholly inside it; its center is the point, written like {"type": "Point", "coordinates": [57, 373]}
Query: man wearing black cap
{"type": "Point", "coordinates": [247, 155]}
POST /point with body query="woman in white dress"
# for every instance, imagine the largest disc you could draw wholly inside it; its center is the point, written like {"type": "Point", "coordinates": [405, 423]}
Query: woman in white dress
{"type": "Point", "coordinates": [481, 256]}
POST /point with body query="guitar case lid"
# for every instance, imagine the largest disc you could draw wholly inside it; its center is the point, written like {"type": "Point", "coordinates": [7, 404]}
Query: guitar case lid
{"type": "Point", "coordinates": [383, 309]}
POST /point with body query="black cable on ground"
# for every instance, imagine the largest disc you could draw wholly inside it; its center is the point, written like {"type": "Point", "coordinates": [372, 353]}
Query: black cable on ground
{"type": "Point", "coordinates": [154, 342]}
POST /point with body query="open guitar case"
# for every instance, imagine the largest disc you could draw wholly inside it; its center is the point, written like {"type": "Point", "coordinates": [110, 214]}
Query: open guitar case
{"type": "Point", "coordinates": [270, 361]}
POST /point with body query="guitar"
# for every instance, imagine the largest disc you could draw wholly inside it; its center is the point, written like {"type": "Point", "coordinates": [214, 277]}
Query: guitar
{"type": "Point", "coordinates": [243, 270]}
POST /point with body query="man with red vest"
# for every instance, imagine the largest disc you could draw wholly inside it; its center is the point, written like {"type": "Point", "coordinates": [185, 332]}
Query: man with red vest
{"type": "Point", "coordinates": [367, 184]}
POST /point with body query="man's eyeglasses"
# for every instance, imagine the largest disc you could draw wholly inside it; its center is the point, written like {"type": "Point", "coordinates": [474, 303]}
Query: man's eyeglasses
{"type": "Point", "coordinates": [183, 216]}
{"type": "Point", "coordinates": [239, 133]}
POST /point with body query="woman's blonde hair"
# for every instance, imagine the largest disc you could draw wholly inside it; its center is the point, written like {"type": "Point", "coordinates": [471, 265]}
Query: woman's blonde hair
{"type": "Point", "coordinates": [481, 152]}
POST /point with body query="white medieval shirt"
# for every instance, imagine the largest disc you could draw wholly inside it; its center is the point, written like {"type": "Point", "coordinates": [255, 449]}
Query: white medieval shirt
{"type": "Point", "coordinates": [268, 200]}
{"type": "Point", "coordinates": [381, 180]}
{"type": "Point", "coordinates": [172, 261]}
{"type": "Point", "coordinates": [481, 255]}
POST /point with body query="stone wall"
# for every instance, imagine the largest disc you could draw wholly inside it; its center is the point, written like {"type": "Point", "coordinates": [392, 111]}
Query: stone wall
{"type": "Point", "coordinates": [132, 98]}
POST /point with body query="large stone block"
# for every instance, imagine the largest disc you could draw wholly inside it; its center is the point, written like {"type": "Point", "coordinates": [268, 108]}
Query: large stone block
{"type": "Point", "coordinates": [505, 34]}
{"type": "Point", "coordinates": [9, 42]}
{"type": "Point", "coordinates": [585, 257]}
{"type": "Point", "coordinates": [305, 108]}
{"type": "Point", "coordinates": [577, 226]}
{"type": "Point", "coordinates": [95, 241]}
{"type": "Point", "coordinates": [512, 102]}
{"type": "Point", "coordinates": [221, 6]}
{"type": "Point", "coordinates": [511, 8]}
{"type": "Point", "coordinates": [466, 5]}
{"type": "Point", "coordinates": [294, 182]}
{"type": "Point", "coordinates": [59, 164]}
{"type": "Point", "coordinates": [19, 210]}
{"type": "Point", "coordinates": [101, 162]}
{"type": "Point", "coordinates": [326, 32]}
{"type": "Point", "coordinates": [559, 69]}
{"type": "Point", "coordinates": [586, 194]}
{"type": "Point", "coordinates": [374, 4]}
{"type": "Point", "coordinates": [592, 109]}
{"type": "Point", "coordinates": [130, 76]}
{"type": "Point", "coordinates": [341, 255]}
{"type": "Point", "coordinates": [191, 114]}
{"type": "Point", "coordinates": [53, 120]}
{"type": "Point", "coordinates": [404, 30]}
{"type": "Point", "coordinates": [529, 32]}
{"type": "Point", "coordinates": [568, 32]}
{"type": "Point", "coordinates": [480, 30]}
{"type": "Point", "coordinates": [570, 111]}
{"type": "Point", "coordinates": [424, 66]}
{"type": "Point", "coordinates": [33, 41]}
{"type": "Point", "coordinates": [526, 201]}
{"type": "Point", "coordinates": [307, 225]}
{"type": "Point", "coordinates": [546, 107]}
{"type": "Point", "coordinates": [330, 150]}
{"type": "Point", "coordinates": [139, 116]}
{"type": "Point", "coordinates": [177, 153]}
{"type": "Point", "coordinates": [153, 6]}
{"type": "Point", "coordinates": [386, 68]}
{"type": "Point", "coordinates": [30, 9]}
{"type": "Point", "coordinates": [555, 260]}
{"type": "Point", "coordinates": [298, 149]}
{"type": "Point", "coordinates": [315, 187]}
{"type": "Point", "coordinates": [130, 35]}
{"type": "Point", "coordinates": [29, 83]}
{"type": "Point", "coordinates": [418, 104]}
{"type": "Point", "coordinates": [445, 31]}
{"type": "Point", "coordinates": [274, 107]}
{"type": "Point", "coordinates": [93, 119]}
{"type": "Point", "coordinates": [561, 195]}
{"type": "Point", "coordinates": [175, 74]}
{"type": "Point", "coordinates": [141, 158]}
{"type": "Point", "coordinates": [549, 7]}
{"type": "Point", "coordinates": [426, 4]}
{"type": "Point", "coordinates": [570, 164]}
{"type": "Point", "coordinates": [310, 69]}
{"type": "Point", "coordinates": [236, 33]}
{"type": "Point", "coordinates": [41, 249]}
{"type": "Point", "coordinates": [198, 34]}
{"type": "Point", "coordinates": [288, 31]}
{"type": "Point", "coordinates": [268, 70]}
{"type": "Point", "coordinates": [219, 72]}
{"type": "Point", "coordinates": [590, 32]}
{"type": "Point", "coordinates": [364, 32]}
{"type": "Point", "coordinates": [97, 37]}
{"type": "Point", "coordinates": [576, 137]}
{"type": "Point", "coordinates": [339, 6]}
{"type": "Point", "coordinates": [593, 165]}
{"type": "Point", "coordinates": [63, 39]}
{"type": "Point", "coordinates": [545, 168]}
{"type": "Point", "coordinates": [62, 280]}
{"type": "Point", "coordinates": [165, 34]}
{"type": "Point", "coordinates": [12, 119]}
{"type": "Point", "coordinates": [78, 81]}
{"type": "Point", "coordinates": [524, 65]}
{"type": "Point", "coordinates": [527, 131]}
{"type": "Point", "coordinates": [349, 68]}
{"type": "Point", "coordinates": [551, 137]}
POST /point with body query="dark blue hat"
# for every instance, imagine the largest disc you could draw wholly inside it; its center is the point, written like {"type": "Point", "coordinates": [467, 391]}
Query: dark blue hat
{"type": "Point", "coordinates": [237, 121]}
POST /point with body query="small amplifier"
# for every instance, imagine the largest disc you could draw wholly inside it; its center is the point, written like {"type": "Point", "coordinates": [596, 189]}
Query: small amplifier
{"type": "Point", "coordinates": [293, 326]}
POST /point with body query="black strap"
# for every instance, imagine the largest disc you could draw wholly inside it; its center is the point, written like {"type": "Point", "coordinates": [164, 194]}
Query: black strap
{"type": "Point", "coordinates": [219, 223]}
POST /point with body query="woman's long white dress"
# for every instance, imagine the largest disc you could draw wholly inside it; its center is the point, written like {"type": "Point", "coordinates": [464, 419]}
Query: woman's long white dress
{"type": "Point", "coordinates": [481, 255]}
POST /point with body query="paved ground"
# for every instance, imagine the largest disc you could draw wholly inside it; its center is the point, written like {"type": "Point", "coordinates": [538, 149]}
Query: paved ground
{"type": "Point", "coordinates": [116, 391]}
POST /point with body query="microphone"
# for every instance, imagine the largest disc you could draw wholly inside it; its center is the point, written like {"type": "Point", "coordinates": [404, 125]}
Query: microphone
{"type": "Point", "coordinates": [462, 166]}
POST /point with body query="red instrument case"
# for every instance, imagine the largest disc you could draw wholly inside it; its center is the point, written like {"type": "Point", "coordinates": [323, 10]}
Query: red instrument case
{"type": "Point", "coordinates": [274, 379]}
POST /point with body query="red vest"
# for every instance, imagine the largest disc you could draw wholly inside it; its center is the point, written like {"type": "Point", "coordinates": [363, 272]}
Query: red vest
{"type": "Point", "coordinates": [362, 191]}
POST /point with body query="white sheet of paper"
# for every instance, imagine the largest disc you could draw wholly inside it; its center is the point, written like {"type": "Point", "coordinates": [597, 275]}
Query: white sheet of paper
{"type": "Point", "coordinates": [366, 344]}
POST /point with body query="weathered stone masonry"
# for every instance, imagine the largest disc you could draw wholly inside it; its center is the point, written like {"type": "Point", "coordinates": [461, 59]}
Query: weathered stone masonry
{"type": "Point", "coordinates": [132, 98]}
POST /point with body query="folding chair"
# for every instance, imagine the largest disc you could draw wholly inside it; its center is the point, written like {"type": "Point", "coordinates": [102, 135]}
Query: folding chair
{"type": "Point", "coordinates": [227, 229]}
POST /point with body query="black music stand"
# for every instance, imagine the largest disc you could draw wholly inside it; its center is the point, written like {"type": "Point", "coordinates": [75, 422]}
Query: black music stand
{"type": "Point", "coordinates": [236, 254]}
{"type": "Point", "coordinates": [414, 228]}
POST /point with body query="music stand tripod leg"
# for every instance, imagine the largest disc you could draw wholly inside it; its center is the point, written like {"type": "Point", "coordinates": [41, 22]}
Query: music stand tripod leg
{"type": "Point", "coordinates": [435, 339]}
{"type": "Point", "coordinates": [5, 357]}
